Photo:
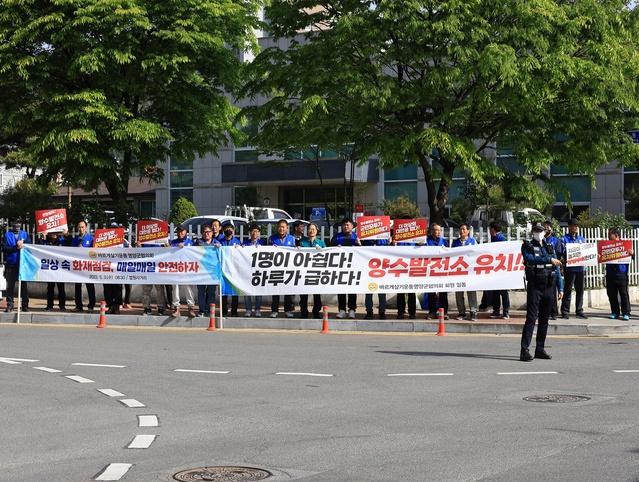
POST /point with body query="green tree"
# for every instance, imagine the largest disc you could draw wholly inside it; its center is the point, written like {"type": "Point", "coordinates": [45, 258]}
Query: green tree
{"type": "Point", "coordinates": [183, 209]}
{"type": "Point", "coordinates": [101, 90]}
{"type": "Point", "coordinates": [603, 220]}
{"type": "Point", "coordinates": [402, 207]}
{"type": "Point", "coordinates": [438, 84]}
{"type": "Point", "coordinates": [27, 197]}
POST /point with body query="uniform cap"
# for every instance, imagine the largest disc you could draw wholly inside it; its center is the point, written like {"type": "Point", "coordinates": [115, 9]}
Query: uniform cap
{"type": "Point", "coordinates": [573, 222]}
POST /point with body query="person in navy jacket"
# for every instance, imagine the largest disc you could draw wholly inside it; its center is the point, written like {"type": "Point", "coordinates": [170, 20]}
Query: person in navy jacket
{"type": "Point", "coordinates": [12, 243]}
{"type": "Point", "coordinates": [84, 240]}
{"type": "Point", "coordinates": [500, 298]}
{"type": "Point", "coordinates": [617, 284]}
{"type": "Point", "coordinates": [346, 238]}
{"type": "Point", "coordinates": [573, 275]}
{"type": "Point", "coordinates": [282, 238]}
{"type": "Point", "coordinates": [465, 240]}
{"type": "Point", "coordinates": [436, 239]}
{"type": "Point", "coordinates": [229, 239]}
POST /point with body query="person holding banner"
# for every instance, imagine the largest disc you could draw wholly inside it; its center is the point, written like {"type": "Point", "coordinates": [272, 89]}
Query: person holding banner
{"type": "Point", "coordinates": [559, 252]}
{"type": "Point", "coordinates": [543, 273]}
{"type": "Point", "coordinates": [282, 238]}
{"type": "Point", "coordinates": [435, 239]}
{"type": "Point", "coordinates": [85, 240]}
{"type": "Point", "coordinates": [229, 239]}
{"type": "Point", "coordinates": [12, 243]}
{"type": "Point", "coordinates": [465, 240]}
{"type": "Point", "coordinates": [573, 276]}
{"type": "Point", "coordinates": [617, 284]}
{"type": "Point", "coordinates": [346, 238]}
{"type": "Point", "coordinates": [500, 298]}
{"type": "Point", "coordinates": [254, 241]}
{"type": "Point", "coordinates": [205, 293]}
{"type": "Point", "coordinates": [311, 241]}
{"type": "Point", "coordinates": [381, 297]}
{"type": "Point", "coordinates": [52, 239]}
{"type": "Point", "coordinates": [181, 241]}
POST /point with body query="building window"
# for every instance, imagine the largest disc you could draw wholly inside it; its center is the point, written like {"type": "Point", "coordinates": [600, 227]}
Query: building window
{"type": "Point", "coordinates": [401, 182]}
{"type": "Point", "coordinates": [180, 180]}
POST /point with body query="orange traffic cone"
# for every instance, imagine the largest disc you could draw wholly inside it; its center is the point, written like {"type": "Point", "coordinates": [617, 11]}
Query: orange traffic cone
{"type": "Point", "coordinates": [212, 318]}
{"type": "Point", "coordinates": [442, 329]}
{"type": "Point", "coordinates": [102, 323]}
{"type": "Point", "coordinates": [324, 319]}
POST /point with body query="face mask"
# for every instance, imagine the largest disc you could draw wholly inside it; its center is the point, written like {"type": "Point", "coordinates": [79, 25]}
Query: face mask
{"type": "Point", "coordinates": [538, 236]}
{"type": "Point", "coordinates": [15, 228]}
{"type": "Point", "coordinates": [228, 232]}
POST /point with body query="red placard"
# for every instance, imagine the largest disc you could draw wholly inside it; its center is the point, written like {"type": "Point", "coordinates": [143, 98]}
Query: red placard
{"type": "Point", "coordinates": [373, 227]}
{"type": "Point", "coordinates": [359, 208]}
{"type": "Point", "coordinates": [51, 220]}
{"type": "Point", "coordinates": [410, 230]}
{"type": "Point", "coordinates": [614, 251]}
{"type": "Point", "coordinates": [108, 238]}
{"type": "Point", "coordinates": [152, 231]}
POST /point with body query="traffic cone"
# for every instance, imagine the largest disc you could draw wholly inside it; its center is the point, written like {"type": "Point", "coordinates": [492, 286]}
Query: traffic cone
{"type": "Point", "coordinates": [212, 318]}
{"type": "Point", "coordinates": [102, 323]}
{"type": "Point", "coordinates": [442, 329]}
{"type": "Point", "coordinates": [324, 319]}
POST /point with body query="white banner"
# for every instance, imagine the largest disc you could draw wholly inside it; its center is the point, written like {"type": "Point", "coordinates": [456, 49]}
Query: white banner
{"type": "Point", "coordinates": [196, 265]}
{"type": "Point", "coordinates": [581, 254]}
{"type": "Point", "coordinates": [267, 270]}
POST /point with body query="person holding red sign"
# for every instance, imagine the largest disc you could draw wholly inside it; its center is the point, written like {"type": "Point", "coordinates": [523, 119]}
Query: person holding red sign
{"type": "Point", "coordinates": [617, 284]}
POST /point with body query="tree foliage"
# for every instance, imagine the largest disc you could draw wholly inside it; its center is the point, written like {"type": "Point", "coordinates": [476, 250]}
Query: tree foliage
{"type": "Point", "coordinates": [183, 209]}
{"type": "Point", "coordinates": [27, 197]}
{"type": "Point", "coordinates": [102, 90]}
{"type": "Point", "coordinates": [602, 219]}
{"type": "Point", "coordinates": [400, 208]}
{"type": "Point", "coordinates": [438, 84]}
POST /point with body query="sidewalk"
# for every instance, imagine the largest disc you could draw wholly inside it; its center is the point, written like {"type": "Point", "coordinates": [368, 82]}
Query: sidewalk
{"type": "Point", "coordinates": [597, 324]}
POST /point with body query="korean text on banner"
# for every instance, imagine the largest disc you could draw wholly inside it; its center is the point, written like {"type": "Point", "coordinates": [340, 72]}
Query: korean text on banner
{"type": "Point", "coordinates": [413, 230]}
{"type": "Point", "coordinates": [197, 265]}
{"type": "Point", "coordinates": [152, 231]}
{"type": "Point", "coordinates": [373, 227]}
{"type": "Point", "coordinates": [108, 238]}
{"type": "Point", "coordinates": [51, 220]}
{"type": "Point", "coordinates": [615, 251]}
{"type": "Point", "coordinates": [581, 254]}
{"type": "Point", "coordinates": [281, 270]}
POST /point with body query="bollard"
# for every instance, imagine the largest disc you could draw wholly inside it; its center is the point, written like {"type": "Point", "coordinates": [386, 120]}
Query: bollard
{"type": "Point", "coordinates": [212, 318]}
{"type": "Point", "coordinates": [442, 329]}
{"type": "Point", "coordinates": [102, 323]}
{"type": "Point", "coordinates": [324, 319]}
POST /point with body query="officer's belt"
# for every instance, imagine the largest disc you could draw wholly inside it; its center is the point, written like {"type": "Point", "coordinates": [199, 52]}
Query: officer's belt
{"type": "Point", "coordinates": [541, 266]}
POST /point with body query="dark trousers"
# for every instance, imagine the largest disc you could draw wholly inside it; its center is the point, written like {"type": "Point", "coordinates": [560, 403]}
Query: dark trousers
{"type": "Point", "coordinates": [576, 279]}
{"type": "Point", "coordinates": [617, 289]}
{"type": "Point", "coordinates": [169, 295]}
{"type": "Point", "coordinates": [368, 303]}
{"type": "Point", "coordinates": [11, 275]}
{"type": "Point", "coordinates": [412, 303]}
{"type": "Point", "coordinates": [486, 300]}
{"type": "Point", "coordinates": [432, 302]}
{"type": "Point", "coordinates": [501, 299]}
{"type": "Point", "coordinates": [62, 296]}
{"type": "Point", "coordinates": [235, 300]}
{"type": "Point", "coordinates": [112, 295]}
{"type": "Point", "coordinates": [342, 303]}
{"type": "Point", "coordinates": [317, 306]}
{"type": "Point", "coordinates": [90, 292]}
{"type": "Point", "coordinates": [275, 303]}
{"type": "Point", "coordinates": [539, 299]}
{"type": "Point", "coordinates": [127, 294]}
{"type": "Point", "coordinates": [206, 296]}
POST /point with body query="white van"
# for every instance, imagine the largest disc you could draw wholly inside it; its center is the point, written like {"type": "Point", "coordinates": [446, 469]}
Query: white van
{"type": "Point", "coordinates": [255, 212]}
{"type": "Point", "coordinates": [521, 218]}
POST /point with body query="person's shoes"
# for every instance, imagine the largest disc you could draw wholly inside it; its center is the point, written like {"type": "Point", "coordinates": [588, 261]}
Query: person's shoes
{"type": "Point", "coordinates": [273, 314]}
{"type": "Point", "coordinates": [412, 317]}
{"type": "Point", "coordinates": [49, 308]}
{"type": "Point", "coordinates": [341, 314]}
{"type": "Point", "coordinates": [77, 310]}
{"type": "Point", "coordinates": [483, 310]}
{"type": "Point", "coordinates": [506, 316]}
{"type": "Point", "coordinates": [247, 314]}
{"type": "Point", "coordinates": [160, 312]}
{"type": "Point", "coordinates": [25, 310]}
{"type": "Point", "coordinates": [553, 317]}
{"type": "Point", "coordinates": [382, 316]}
{"type": "Point", "coordinates": [110, 310]}
{"type": "Point", "coordinates": [541, 354]}
{"type": "Point", "coordinates": [127, 306]}
{"type": "Point", "coordinates": [432, 315]}
{"type": "Point", "coordinates": [63, 309]}
{"type": "Point", "coordinates": [613, 316]}
{"type": "Point", "coordinates": [8, 310]}
{"type": "Point", "coordinates": [176, 312]}
{"type": "Point", "coordinates": [446, 316]}
{"type": "Point", "coordinates": [191, 312]}
{"type": "Point", "coordinates": [400, 317]}
{"type": "Point", "coordinates": [235, 314]}
{"type": "Point", "coordinates": [258, 314]}
{"type": "Point", "coordinates": [626, 317]}
{"type": "Point", "coordinates": [565, 317]}
{"type": "Point", "coordinates": [289, 314]}
{"type": "Point", "coordinates": [495, 315]}
{"type": "Point", "coordinates": [525, 356]}
{"type": "Point", "coordinates": [90, 310]}
{"type": "Point", "coordinates": [116, 310]}
{"type": "Point", "coordinates": [582, 316]}
{"type": "Point", "coordinates": [368, 316]}
{"type": "Point", "coordinates": [147, 312]}
{"type": "Point", "coordinates": [461, 316]}
{"type": "Point", "coordinates": [473, 316]}
{"type": "Point", "coordinates": [351, 313]}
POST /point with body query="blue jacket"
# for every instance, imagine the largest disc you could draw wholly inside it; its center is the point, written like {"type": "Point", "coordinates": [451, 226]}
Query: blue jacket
{"type": "Point", "coordinates": [248, 242]}
{"type": "Point", "coordinates": [10, 246]}
{"type": "Point", "coordinates": [431, 242]}
{"type": "Point", "coordinates": [530, 258]}
{"type": "Point", "coordinates": [186, 241]}
{"type": "Point", "coordinates": [340, 239]}
{"type": "Point", "coordinates": [275, 240]}
{"type": "Point", "coordinates": [458, 242]}
{"type": "Point", "coordinates": [85, 241]}
{"type": "Point", "coordinates": [498, 237]}
{"type": "Point", "coordinates": [229, 242]}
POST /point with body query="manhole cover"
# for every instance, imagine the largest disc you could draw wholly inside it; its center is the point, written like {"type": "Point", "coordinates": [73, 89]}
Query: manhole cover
{"type": "Point", "coordinates": [223, 474]}
{"type": "Point", "coordinates": [557, 398]}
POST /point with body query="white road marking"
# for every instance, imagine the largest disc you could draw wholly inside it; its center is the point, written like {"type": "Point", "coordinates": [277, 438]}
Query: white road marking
{"type": "Point", "coordinates": [48, 370]}
{"type": "Point", "coordinates": [98, 365]}
{"type": "Point", "coordinates": [527, 373]}
{"type": "Point", "coordinates": [141, 442]}
{"type": "Point", "coordinates": [200, 371]}
{"type": "Point", "coordinates": [626, 371]}
{"type": "Point", "coordinates": [306, 374]}
{"type": "Point", "coordinates": [114, 472]}
{"type": "Point", "coordinates": [15, 361]}
{"type": "Point", "coordinates": [420, 374]}
{"type": "Point", "coordinates": [109, 392]}
{"type": "Point", "coordinates": [148, 421]}
{"type": "Point", "coordinates": [131, 402]}
{"type": "Point", "coordinates": [79, 379]}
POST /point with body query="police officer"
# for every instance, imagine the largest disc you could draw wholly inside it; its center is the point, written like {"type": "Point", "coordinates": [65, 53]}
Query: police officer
{"type": "Point", "coordinates": [542, 275]}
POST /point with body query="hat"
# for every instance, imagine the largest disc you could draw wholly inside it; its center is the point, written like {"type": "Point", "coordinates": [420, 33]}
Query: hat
{"type": "Point", "coordinates": [573, 222]}
{"type": "Point", "coordinates": [181, 227]}
{"type": "Point", "coordinates": [537, 228]}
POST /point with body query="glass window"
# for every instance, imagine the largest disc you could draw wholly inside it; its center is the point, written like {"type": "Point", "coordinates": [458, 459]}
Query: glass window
{"type": "Point", "coordinates": [180, 164]}
{"type": "Point", "coordinates": [395, 190]}
{"type": "Point", "coordinates": [181, 179]}
{"type": "Point", "coordinates": [402, 173]}
{"type": "Point", "coordinates": [246, 155]}
{"type": "Point", "coordinates": [178, 193]}
{"type": "Point", "coordinates": [579, 187]}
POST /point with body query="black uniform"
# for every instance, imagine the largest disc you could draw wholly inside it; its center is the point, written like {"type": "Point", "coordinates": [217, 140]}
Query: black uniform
{"type": "Point", "coordinates": [541, 279]}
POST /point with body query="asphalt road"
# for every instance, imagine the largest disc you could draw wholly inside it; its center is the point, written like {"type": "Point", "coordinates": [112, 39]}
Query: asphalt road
{"type": "Point", "coordinates": [312, 407]}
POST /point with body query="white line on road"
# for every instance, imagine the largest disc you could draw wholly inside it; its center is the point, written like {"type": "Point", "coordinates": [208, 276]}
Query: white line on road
{"type": "Point", "coordinates": [79, 379]}
{"type": "Point", "coordinates": [306, 374]}
{"type": "Point", "coordinates": [148, 421]}
{"type": "Point", "coordinates": [141, 442]}
{"type": "Point", "coordinates": [98, 365]}
{"type": "Point", "coordinates": [527, 373]}
{"type": "Point", "coordinates": [131, 402]}
{"type": "Point", "coordinates": [626, 371]}
{"type": "Point", "coordinates": [48, 370]}
{"type": "Point", "coordinates": [199, 371]}
{"type": "Point", "coordinates": [420, 374]}
{"type": "Point", "coordinates": [15, 361]}
{"type": "Point", "coordinates": [109, 392]}
{"type": "Point", "coordinates": [114, 472]}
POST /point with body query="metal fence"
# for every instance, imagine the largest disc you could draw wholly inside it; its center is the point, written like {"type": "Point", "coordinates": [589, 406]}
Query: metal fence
{"type": "Point", "coordinates": [595, 275]}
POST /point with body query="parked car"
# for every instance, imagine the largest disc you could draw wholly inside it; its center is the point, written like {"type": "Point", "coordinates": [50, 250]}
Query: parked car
{"type": "Point", "coordinates": [194, 225]}
{"type": "Point", "coordinates": [269, 226]}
